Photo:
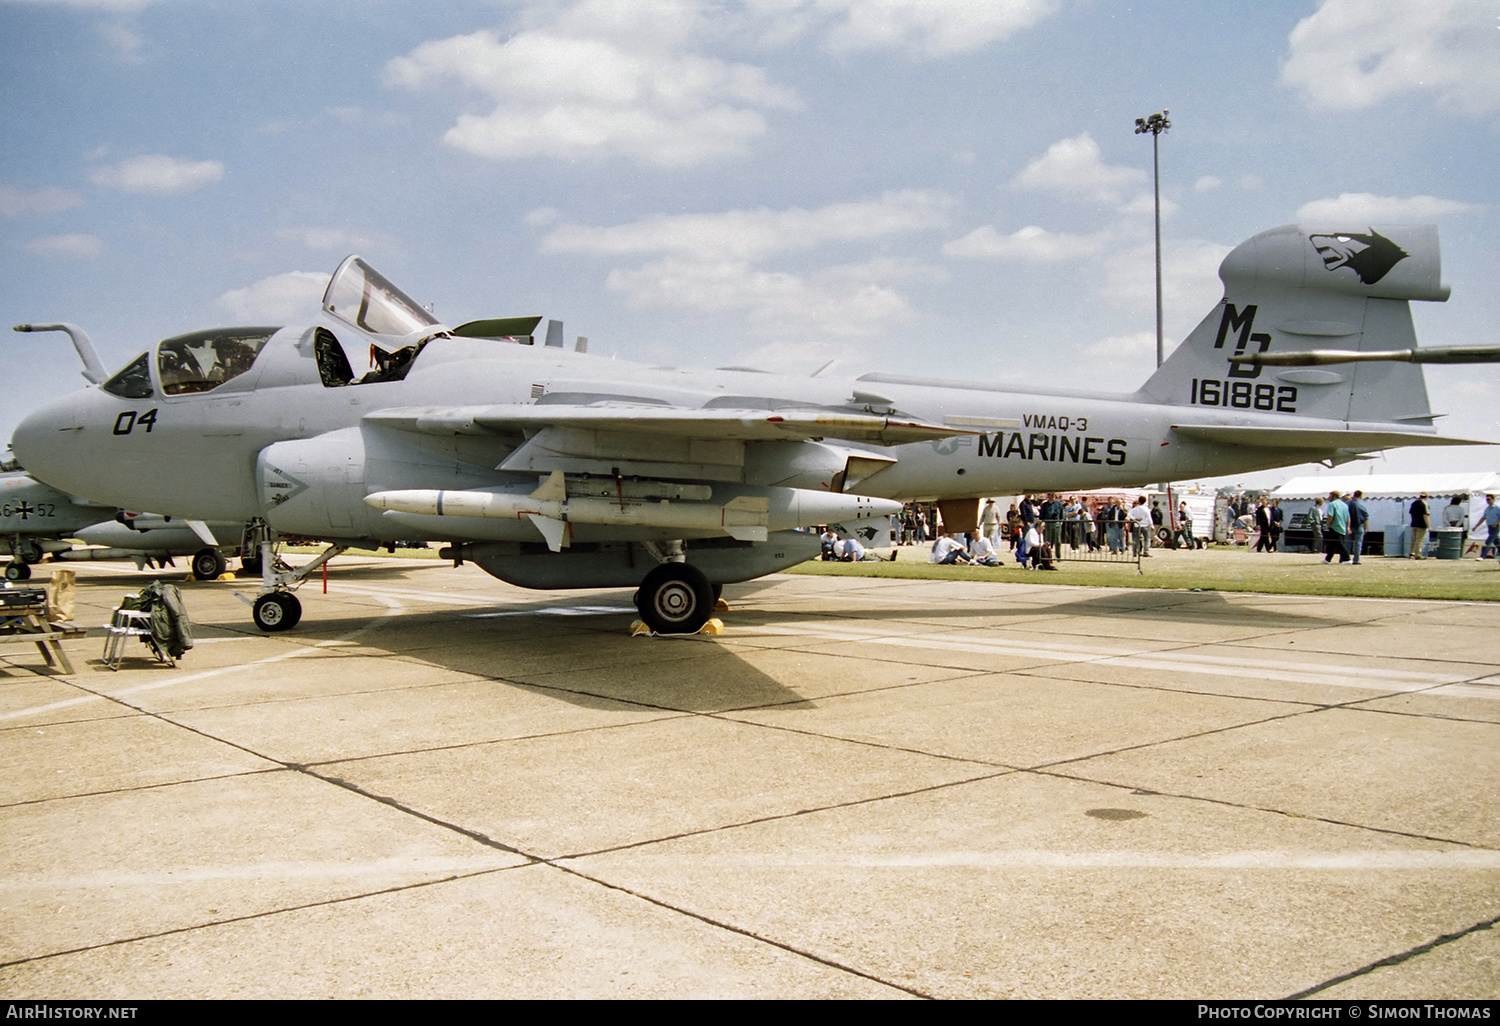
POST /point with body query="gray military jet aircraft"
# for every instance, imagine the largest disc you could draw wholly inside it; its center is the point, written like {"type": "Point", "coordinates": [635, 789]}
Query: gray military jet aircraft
{"type": "Point", "coordinates": [36, 520]}
{"type": "Point", "coordinates": [553, 468]}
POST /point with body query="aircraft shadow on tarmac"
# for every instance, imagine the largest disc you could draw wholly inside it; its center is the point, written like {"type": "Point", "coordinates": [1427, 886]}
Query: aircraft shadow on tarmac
{"type": "Point", "coordinates": [578, 648]}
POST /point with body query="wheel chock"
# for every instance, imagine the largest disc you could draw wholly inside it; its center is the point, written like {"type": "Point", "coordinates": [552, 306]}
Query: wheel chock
{"type": "Point", "coordinates": [720, 606]}
{"type": "Point", "coordinates": [713, 626]}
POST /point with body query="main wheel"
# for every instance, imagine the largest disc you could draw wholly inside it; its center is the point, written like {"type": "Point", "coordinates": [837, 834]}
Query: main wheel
{"type": "Point", "coordinates": [17, 571]}
{"type": "Point", "coordinates": [278, 611]}
{"type": "Point", "coordinates": [30, 551]}
{"type": "Point", "coordinates": [675, 598]}
{"type": "Point", "coordinates": [208, 564]}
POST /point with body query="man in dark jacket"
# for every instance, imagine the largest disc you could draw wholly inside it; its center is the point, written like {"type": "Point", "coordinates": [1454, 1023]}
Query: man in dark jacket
{"type": "Point", "coordinates": [1359, 519]}
{"type": "Point", "coordinates": [1420, 522]}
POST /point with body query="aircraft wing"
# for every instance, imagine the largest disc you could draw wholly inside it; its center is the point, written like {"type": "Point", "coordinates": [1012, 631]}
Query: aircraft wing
{"type": "Point", "coordinates": [1310, 439]}
{"type": "Point", "coordinates": [676, 422]}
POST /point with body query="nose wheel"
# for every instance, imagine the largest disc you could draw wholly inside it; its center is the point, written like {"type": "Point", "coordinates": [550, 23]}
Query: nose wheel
{"type": "Point", "coordinates": [278, 611]}
{"type": "Point", "coordinates": [675, 598]}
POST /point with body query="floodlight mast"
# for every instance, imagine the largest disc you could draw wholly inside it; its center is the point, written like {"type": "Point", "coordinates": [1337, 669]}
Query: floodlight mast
{"type": "Point", "coordinates": [1156, 124]}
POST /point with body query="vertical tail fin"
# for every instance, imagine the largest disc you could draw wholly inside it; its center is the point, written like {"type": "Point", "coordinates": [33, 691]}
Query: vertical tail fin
{"type": "Point", "coordinates": [1296, 288]}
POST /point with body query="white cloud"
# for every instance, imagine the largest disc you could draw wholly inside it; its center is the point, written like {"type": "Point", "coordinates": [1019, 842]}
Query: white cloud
{"type": "Point", "coordinates": [844, 302]}
{"type": "Point", "coordinates": [1353, 54]}
{"type": "Point", "coordinates": [1208, 183]}
{"type": "Point", "coordinates": [280, 299]}
{"type": "Point", "coordinates": [1145, 203]}
{"type": "Point", "coordinates": [934, 28]}
{"type": "Point", "coordinates": [1364, 208]}
{"type": "Point", "coordinates": [799, 355]}
{"type": "Point", "coordinates": [1031, 244]}
{"type": "Point", "coordinates": [751, 235]}
{"type": "Point", "coordinates": [127, 44]}
{"type": "Point", "coordinates": [1074, 168]}
{"type": "Point", "coordinates": [604, 85]}
{"type": "Point", "coordinates": [17, 203]}
{"type": "Point", "coordinates": [325, 238]}
{"type": "Point", "coordinates": [72, 247]}
{"type": "Point", "coordinates": [1123, 348]}
{"type": "Point", "coordinates": [710, 263]}
{"type": "Point", "coordinates": [159, 174]}
{"type": "Point", "coordinates": [1116, 362]}
{"type": "Point", "coordinates": [1190, 279]}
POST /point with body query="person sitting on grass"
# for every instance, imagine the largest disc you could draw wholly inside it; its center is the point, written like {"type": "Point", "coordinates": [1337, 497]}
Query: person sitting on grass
{"type": "Point", "coordinates": [946, 551]}
{"type": "Point", "coordinates": [982, 551]}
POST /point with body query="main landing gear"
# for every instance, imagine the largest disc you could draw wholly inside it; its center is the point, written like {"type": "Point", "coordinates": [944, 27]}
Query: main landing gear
{"type": "Point", "coordinates": [676, 598]}
{"type": "Point", "coordinates": [208, 564]}
{"type": "Point", "coordinates": [25, 553]}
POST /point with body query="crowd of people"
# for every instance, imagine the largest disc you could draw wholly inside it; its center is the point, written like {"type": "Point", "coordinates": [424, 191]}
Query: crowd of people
{"type": "Point", "coordinates": [1337, 525]}
{"type": "Point", "coordinates": [1036, 528]}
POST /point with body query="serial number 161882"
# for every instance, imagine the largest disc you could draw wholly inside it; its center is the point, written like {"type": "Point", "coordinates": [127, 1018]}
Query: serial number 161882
{"type": "Point", "coordinates": [1244, 395]}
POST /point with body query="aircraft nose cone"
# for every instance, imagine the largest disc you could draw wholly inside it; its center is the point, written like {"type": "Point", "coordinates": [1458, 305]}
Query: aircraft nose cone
{"type": "Point", "coordinates": [44, 440]}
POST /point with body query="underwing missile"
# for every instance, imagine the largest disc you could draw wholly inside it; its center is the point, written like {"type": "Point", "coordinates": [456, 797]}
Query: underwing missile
{"type": "Point", "coordinates": [747, 517]}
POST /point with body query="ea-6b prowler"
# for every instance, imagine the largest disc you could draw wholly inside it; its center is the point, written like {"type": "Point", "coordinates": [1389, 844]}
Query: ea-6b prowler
{"type": "Point", "coordinates": [552, 468]}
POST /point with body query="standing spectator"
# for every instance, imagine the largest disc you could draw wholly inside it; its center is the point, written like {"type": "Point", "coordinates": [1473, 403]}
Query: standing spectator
{"type": "Point", "coordinates": [1419, 524]}
{"type": "Point", "coordinates": [1051, 516]}
{"type": "Point", "coordinates": [1114, 526]}
{"type": "Point", "coordinates": [1277, 522]}
{"type": "Point", "coordinates": [1454, 514]}
{"type": "Point", "coordinates": [1073, 523]}
{"type": "Point", "coordinates": [1338, 529]}
{"type": "Point", "coordinates": [1316, 518]}
{"type": "Point", "coordinates": [989, 522]}
{"type": "Point", "coordinates": [1014, 526]}
{"type": "Point", "coordinates": [1141, 528]}
{"type": "Point", "coordinates": [1490, 518]}
{"type": "Point", "coordinates": [1185, 527]}
{"type": "Point", "coordinates": [1028, 523]}
{"type": "Point", "coordinates": [1359, 520]}
{"type": "Point", "coordinates": [1262, 524]}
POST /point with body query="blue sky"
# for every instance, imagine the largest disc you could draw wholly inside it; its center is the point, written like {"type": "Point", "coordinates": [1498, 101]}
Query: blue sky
{"type": "Point", "coordinates": [933, 187]}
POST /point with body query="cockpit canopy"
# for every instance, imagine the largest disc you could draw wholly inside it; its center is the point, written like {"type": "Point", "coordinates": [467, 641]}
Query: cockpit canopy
{"type": "Point", "coordinates": [202, 360]}
{"type": "Point", "coordinates": [361, 296]}
{"type": "Point", "coordinates": [195, 362]}
{"type": "Point", "coordinates": [394, 324]}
